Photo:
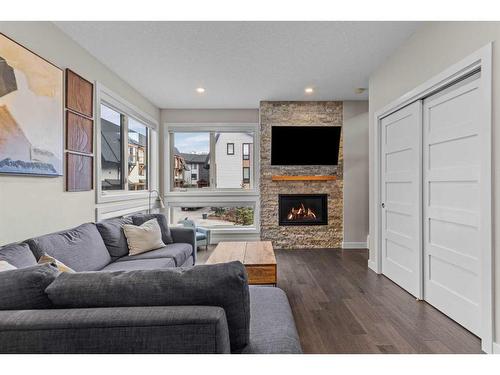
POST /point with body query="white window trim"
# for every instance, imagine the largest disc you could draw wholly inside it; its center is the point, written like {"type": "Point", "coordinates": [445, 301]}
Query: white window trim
{"type": "Point", "coordinates": [208, 127]}
{"type": "Point", "coordinates": [116, 102]}
{"type": "Point", "coordinates": [213, 197]}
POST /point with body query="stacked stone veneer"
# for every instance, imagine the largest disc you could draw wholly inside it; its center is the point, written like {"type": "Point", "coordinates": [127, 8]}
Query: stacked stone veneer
{"type": "Point", "coordinates": [325, 113]}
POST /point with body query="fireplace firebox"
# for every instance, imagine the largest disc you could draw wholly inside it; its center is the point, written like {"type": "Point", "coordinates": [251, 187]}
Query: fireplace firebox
{"type": "Point", "coordinates": [303, 209]}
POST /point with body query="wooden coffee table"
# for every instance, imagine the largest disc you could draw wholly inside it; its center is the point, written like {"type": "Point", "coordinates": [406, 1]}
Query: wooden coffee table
{"type": "Point", "coordinates": [258, 258]}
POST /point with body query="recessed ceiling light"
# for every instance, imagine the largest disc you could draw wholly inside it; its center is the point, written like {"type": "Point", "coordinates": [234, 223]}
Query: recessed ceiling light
{"type": "Point", "coordinates": [309, 90]}
{"type": "Point", "coordinates": [200, 90]}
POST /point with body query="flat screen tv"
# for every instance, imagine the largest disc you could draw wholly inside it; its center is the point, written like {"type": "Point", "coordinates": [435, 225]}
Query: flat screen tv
{"type": "Point", "coordinates": [305, 145]}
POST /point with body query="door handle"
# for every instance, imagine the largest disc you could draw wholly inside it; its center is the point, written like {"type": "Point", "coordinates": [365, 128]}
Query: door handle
{"type": "Point", "coordinates": [383, 205]}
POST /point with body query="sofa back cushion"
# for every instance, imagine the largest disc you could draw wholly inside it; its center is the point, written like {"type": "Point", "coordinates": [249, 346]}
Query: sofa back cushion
{"type": "Point", "coordinates": [80, 248]}
{"type": "Point", "coordinates": [18, 254]}
{"type": "Point", "coordinates": [166, 236]}
{"type": "Point", "coordinates": [111, 231]}
{"type": "Point", "coordinates": [24, 288]}
{"type": "Point", "coordinates": [224, 285]}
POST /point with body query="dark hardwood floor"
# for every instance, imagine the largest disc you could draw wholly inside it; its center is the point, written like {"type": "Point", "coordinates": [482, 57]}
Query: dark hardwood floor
{"type": "Point", "coordinates": [340, 306]}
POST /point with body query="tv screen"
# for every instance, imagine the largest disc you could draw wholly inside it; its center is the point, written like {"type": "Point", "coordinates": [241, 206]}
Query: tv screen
{"type": "Point", "coordinates": [305, 145]}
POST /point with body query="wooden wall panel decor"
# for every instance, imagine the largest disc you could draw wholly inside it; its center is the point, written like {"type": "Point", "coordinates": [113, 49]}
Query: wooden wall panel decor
{"type": "Point", "coordinates": [79, 94]}
{"type": "Point", "coordinates": [79, 172]}
{"type": "Point", "coordinates": [79, 133]}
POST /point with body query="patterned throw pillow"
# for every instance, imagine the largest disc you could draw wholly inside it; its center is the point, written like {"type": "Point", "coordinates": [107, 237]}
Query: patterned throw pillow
{"type": "Point", "coordinates": [4, 266]}
{"type": "Point", "coordinates": [45, 258]}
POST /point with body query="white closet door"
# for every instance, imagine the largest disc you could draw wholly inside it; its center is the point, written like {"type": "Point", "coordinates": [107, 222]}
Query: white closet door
{"type": "Point", "coordinates": [452, 203]}
{"type": "Point", "coordinates": [401, 192]}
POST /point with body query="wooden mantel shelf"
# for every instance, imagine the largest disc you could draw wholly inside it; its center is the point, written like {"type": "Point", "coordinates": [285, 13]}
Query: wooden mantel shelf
{"type": "Point", "coordinates": [303, 178]}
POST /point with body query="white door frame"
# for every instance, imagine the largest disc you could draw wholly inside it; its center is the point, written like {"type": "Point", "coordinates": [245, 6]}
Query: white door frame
{"type": "Point", "coordinates": [479, 59]}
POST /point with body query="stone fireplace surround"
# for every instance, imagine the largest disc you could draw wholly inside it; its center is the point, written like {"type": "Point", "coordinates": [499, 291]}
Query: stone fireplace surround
{"type": "Point", "coordinates": [303, 113]}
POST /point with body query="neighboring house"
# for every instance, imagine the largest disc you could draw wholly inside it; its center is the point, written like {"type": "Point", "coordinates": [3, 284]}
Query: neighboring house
{"type": "Point", "coordinates": [111, 154]}
{"type": "Point", "coordinates": [137, 163]}
{"type": "Point", "coordinates": [180, 168]}
{"type": "Point", "coordinates": [197, 173]}
{"type": "Point", "coordinates": [234, 156]}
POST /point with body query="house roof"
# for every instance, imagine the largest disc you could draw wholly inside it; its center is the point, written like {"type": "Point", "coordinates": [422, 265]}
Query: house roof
{"type": "Point", "coordinates": [194, 158]}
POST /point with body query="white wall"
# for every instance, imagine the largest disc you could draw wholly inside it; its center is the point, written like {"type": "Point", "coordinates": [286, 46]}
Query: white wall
{"type": "Point", "coordinates": [355, 136]}
{"type": "Point", "coordinates": [196, 116]}
{"type": "Point", "coordinates": [30, 206]}
{"type": "Point", "coordinates": [433, 48]}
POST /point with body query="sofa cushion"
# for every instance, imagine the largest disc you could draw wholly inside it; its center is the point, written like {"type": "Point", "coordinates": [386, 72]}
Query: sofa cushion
{"type": "Point", "coordinates": [224, 285]}
{"type": "Point", "coordinates": [19, 255]}
{"type": "Point", "coordinates": [166, 236]}
{"type": "Point", "coordinates": [111, 231]}
{"type": "Point", "coordinates": [143, 238]}
{"type": "Point", "coordinates": [179, 252]}
{"type": "Point", "coordinates": [140, 264]}
{"type": "Point", "coordinates": [80, 248]}
{"type": "Point", "coordinates": [24, 288]}
{"type": "Point", "coordinates": [272, 327]}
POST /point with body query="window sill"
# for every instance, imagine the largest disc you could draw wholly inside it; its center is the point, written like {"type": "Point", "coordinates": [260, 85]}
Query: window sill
{"type": "Point", "coordinates": [123, 196]}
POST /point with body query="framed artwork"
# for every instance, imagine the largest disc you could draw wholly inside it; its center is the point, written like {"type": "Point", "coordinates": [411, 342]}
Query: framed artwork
{"type": "Point", "coordinates": [79, 133]}
{"type": "Point", "coordinates": [79, 94]}
{"type": "Point", "coordinates": [31, 112]}
{"type": "Point", "coordinates": [79, 171]}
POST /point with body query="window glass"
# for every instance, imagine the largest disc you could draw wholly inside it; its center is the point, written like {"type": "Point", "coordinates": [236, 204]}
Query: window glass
{"type": "Point", "coordinates": [230, 148]}
{"type": "Point", "coordinates": [214, 217]}
{"type": "Point", "coordinates": [228, 168]}
{"type": "Point", "coordinates": [111, 149]}
{"type": "Point", "coordinates": [137, 159]}
{"type": "Point", "coordinates": [191, 160]}
{"type": "Point", "coordinates": [246, 151]}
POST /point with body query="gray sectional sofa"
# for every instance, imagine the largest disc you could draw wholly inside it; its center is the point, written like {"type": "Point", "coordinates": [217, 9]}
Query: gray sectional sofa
{"type": "Point", "coordinates": [155, 302]}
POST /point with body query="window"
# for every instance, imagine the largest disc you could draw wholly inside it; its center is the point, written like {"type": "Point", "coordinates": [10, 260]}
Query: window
{"type": "Point", "coordinates": [191, 150]}
{"type": "Point", "coordinates": [246, 151]}
{"type": "Point", "coordinates": [138, 142]}
{"type": "Point", "coordinates": [215, 217]}
{"type": "Point", "coordinates": [122, 157]}
{"type": "Point", "coordinates": [230, 149]}
{"type": "Point", "coordinates": [246, 175]}
{"type": "Point", "coordinates": [111, 149]}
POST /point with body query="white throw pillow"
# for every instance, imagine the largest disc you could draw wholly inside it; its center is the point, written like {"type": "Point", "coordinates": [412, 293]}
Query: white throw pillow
{"type": "Point", "coordinates": [143, 238]}
{"type": "Point", "coordinates": [5, 266]}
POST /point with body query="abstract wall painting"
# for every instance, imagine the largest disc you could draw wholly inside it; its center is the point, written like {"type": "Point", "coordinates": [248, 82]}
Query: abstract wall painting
{"type": "Point", "coordinates": [31, 112]}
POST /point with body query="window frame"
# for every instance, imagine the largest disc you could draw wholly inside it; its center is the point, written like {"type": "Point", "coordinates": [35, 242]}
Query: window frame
{"type": "Point", "coordinates": [243, 151]}
{"type": "Point", "coordinates": [115, 102]}
{"type": "Point", "coordinates": [227, 148]}
{"type": "Point", "coordinates": [246, 180]}
{"type": "Point", "coordinates": [207, 196]}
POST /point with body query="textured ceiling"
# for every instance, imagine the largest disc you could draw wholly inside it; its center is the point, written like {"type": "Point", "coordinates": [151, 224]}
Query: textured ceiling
{"type": "Point", "coordinates": [241, 63]}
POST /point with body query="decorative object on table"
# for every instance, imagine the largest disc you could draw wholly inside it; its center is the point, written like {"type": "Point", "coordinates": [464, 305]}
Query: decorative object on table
{"type": "Point", "coordinates": [158, 195]}
{"type": "Point", "coordinates": [79, 133]}
{"type": "Point", "coordinates": [202, 234]}
{"type": "Point", "coordinates": [79, 172]}
{"type": "Point", "coordinates": [31, 141]}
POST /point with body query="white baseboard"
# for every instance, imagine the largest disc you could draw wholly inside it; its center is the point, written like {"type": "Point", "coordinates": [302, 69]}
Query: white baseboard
{"type": "Point", "coordinates": [353, 245]}
{"type": "Point", "coordinates": [496, 348]}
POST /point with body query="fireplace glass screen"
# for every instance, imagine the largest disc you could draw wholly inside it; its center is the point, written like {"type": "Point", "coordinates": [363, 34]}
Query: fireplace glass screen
{"type": "Point", "coordinates": [303, 209]}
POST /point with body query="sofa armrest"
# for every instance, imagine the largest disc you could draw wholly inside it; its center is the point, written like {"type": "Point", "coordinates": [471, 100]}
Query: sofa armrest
{"type": "Point", "coordinates": [151, 329]}
{"type": "Point", "coordinates": [185, 235]}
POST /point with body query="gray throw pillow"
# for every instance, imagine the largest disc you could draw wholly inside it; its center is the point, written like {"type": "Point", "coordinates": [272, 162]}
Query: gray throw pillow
{"type": "Point", "coordinates": [24, 288]}
{"type": "Point", "coordinates": [224, 285]}
{"type": "Point", "coordinates": [111, 231]}
{"type": "Point", "coordinates": [18, 254]}
{"type": "Point", "coordinates": [166, 236]}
